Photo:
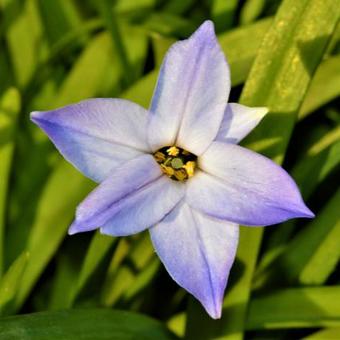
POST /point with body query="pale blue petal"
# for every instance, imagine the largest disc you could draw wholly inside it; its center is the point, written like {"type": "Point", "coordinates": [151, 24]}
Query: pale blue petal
{"type": "Point", "coordinates": [244, 187]}
{"type": "Point", "coordinates": [238, 121]}
{"type": "Point", "coordinates": [134, 196]}
{"type": "Point", "coordinates": [198, 252]}
{"type": "Point", "coordinates": [191, 94]}
{"type": "Point", "coordinates": [96, 135]}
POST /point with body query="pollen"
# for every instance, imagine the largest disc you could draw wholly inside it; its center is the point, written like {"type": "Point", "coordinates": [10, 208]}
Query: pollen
{"type": "Point", "coordinates": [176, 163]}
{"type": "Point", "coordinates": [173, 151]}
{"type": "Point", "coordinates": [190, 168]}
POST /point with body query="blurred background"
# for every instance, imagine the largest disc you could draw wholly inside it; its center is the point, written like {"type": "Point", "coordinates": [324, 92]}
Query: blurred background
{"type": "Point", "coordinates": [285, 283]}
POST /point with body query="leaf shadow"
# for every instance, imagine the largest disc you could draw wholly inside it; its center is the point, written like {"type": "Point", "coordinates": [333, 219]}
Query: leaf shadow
{"type": "Point", "coordinates": [272, 134]}
{"type": "Point", "coordinates": [307, 49]}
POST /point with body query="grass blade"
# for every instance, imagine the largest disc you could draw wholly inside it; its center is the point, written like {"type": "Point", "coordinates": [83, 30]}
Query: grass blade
{"type": "Point", "coordinates": [313, 254]}
{"type": "Point", "coordinates": [9, 109]}
{"type": "Point", "coordinates": [54, 214]}
{"type": "Point", "coordinates": [10, 282]}
{"type": "Point", "coordinates": [296, 308]}
{"type": "Point", "coordinates": [83, 324]}
{"type": "Point", "coordinates": [324, 87]}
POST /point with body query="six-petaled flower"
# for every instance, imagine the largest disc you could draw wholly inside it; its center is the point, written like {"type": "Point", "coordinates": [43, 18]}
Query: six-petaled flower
{"type": "Point", "coordinates": [176, 168]}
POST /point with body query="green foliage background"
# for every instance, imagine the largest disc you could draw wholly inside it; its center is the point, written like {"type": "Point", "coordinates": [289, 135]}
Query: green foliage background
{"type": "Point", "coordinates": [285, 283]}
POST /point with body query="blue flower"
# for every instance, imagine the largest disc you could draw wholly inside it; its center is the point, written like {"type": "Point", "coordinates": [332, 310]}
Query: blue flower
{"type": "Point", "coordinates": [176, 168]}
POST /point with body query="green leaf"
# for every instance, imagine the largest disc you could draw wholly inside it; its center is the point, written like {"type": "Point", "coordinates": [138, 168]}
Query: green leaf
{"type": "Point", "coordinates": [241, 46]}
{"type": "Point", "coordinates": [97, 71]}
{"type": "Point", "coordinates": [313, 254]}
{"type": "Point", "coordinates": [319, 161]}
{"type": "Point", "coordinates": [328, 333]}
{"type": "Point", "coordinates": [119, 276]}
{"type": "Point", "coordinates": [168, 24]}
{"type": "Point", "coordinates": [83, 324]}
{"type": "Point", "coordinates": [143, 278]}
{"type": "Point", "coordinates": [6, 79]}
{"type": "Point", "coordinates": [223, 13]}
{"type": "Point", "coordinates": [64, 281]}
{"type": "Point", "coordinates": [289, 54]}
{"type": "Point", "coordinates": [63, 191]}
{"type": "Point", "coordinates": [251, 10]}
{"type": "Point", "coordinates": [177, 324]}
{"type": "Point", "coordinates": [99, 247]}
{"type": "Point", "coordinates": [92, 74]}
{"type": "Point", "coordinates": [58, 17]}
{"type": "Point", "coordinates": [24, 39]}
{"type": "Point", "coordinates": [9, 109]}
{"type": "Point", "coordinates": [126, 279]}
{"type": "Point", "coordinates": [108, 15]}
{"type": "Point", "coordinates": [324, 87]}
{"type": "Point", "coordinates": [11, 280]}
{"type": "Point", "coordinates": [177, 6]}
{"type": "Point", "coordinates": [126, 6]}
{"type": "Point", "coordinates": [296, 308]}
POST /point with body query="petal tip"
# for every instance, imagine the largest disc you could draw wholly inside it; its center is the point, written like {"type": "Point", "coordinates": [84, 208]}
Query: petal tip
{"type": "Point", "coordinates": [302, 211]}
{"type": "Point", "coordinates": [261, 111]}
{"type": "Point", "coordinates": [73, 229]}
{"type": "Point", "coordinates": [207, 29]}
{"type": "Point", "coordinates": [207, 25]}
{"type": "Point", "coordinates": [215, 314]}
{"type": "Point", "coordinates": [76, 228]}
{"type": "Point", "coordinates": [307, 213]}
{"type": "Point", "coordinates": [214, 310]}
{"type": "Point", "coordinates": [35, 115]}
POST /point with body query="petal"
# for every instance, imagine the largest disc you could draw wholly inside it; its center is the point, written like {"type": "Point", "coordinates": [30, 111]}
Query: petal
{"type": "Point", "coordinates": [238, 121]}
{"type": "Point", "coordinates": [191, 94]}
{"type": "Point", "coordinates": [198, 252]}
{"type": "Point", "coordinates": [135, 196]}
{"type": "Point", "coordinates": [96, 135]}
{"type": "Point", "coordinates": [244, 187]}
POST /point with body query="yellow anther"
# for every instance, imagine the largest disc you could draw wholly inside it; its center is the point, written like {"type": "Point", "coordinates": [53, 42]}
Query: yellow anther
{"type": "Point", "coordinates": [159, 156]}
{"type": "Point", "coordinates": [190, 168]}
{"type": "Point", "coordinates": [181, 175]}
{"type": "Point", "coordinates": [168, 170]}
{"type": "Point", "coordinates": [173, 151]}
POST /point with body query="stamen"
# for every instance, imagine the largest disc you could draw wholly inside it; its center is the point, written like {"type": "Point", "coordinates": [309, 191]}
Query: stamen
{"type": "Point", "coordinates": [190, 168]}
{"type": "Point", "coordinates": [176, 163]}
{"type": "Point", "coordinates": [173, 151]}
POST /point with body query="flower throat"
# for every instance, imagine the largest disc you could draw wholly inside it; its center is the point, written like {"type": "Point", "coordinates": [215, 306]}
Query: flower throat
{"type": "Point", "coordinates": [176, 163]}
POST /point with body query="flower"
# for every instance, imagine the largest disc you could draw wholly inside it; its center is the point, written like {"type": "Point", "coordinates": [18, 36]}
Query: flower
{"type": "Point", "coordinates": [176, 168]}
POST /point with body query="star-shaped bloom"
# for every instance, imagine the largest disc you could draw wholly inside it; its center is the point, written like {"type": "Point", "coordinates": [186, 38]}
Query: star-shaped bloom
{"type": "Point", "coordinates": [176, 169]}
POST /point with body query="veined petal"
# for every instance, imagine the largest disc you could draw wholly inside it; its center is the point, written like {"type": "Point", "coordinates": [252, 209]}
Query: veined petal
{"type": "Point", "coordinates": [244, 187]}
{"type": "Point", "coordinates": [238, 121]}
{"type": "Point", "coordinates": [191, 94]}
{"type": "Point", "coordinates": [134, 197]}
{"type": "Point", "coordinates": [198, 252]}
{"type": "Point", "coordinates": [96, 135]}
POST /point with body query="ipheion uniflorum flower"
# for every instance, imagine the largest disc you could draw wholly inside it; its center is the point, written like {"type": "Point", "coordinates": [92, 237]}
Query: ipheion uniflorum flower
{"type": "Point", "coordinates": [176, 169]}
